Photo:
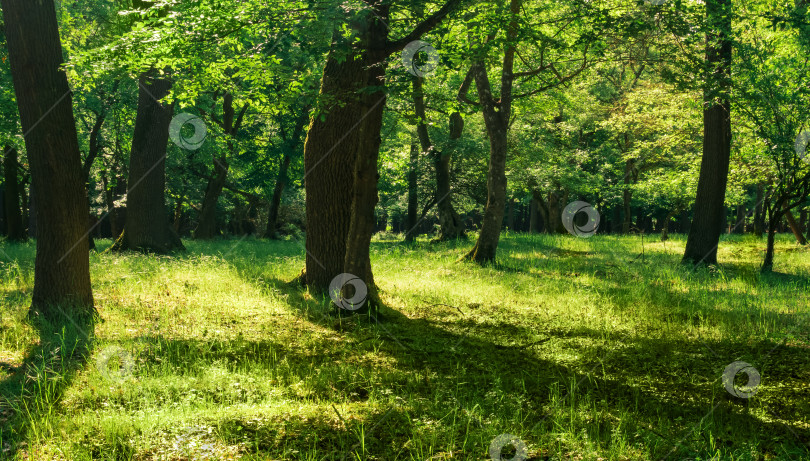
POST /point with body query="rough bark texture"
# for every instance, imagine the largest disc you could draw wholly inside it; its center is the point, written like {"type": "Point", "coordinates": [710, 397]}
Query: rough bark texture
{"type": "Point", "coordinates": [704, 235]}
{"type": "Point", "coordinates": [147, 226]}
{"type": "Point", "coordinates": [62, 267]}
{"type": "Point", "coordinates": [342, 146]}
{"type": "Point", "coordinates": [15, 231]}
{"type": "Point", "coordinates": [340, 156]}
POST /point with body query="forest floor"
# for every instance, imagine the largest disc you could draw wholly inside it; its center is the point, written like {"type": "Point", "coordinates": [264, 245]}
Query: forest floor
{"type": "Point", "coordinates": [580, 348]}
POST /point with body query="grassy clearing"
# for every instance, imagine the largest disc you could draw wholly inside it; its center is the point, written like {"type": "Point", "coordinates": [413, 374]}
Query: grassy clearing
{"type": "Point", "coordinates": [583, 349]}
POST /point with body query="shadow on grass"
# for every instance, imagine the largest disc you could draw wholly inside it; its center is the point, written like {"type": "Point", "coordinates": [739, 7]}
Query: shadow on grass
{"type": "Point", "coordinates": [32, 391]}
{"type": "Point", "coordinates": [637, 380]}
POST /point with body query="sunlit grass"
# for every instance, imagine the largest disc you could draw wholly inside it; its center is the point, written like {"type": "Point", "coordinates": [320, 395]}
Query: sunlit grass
{"type": "Point", "coordinates": [583, 348]}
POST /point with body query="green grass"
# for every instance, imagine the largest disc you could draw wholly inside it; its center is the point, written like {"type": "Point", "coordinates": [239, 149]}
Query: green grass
{"type": "Point", "coordinates": [583, 349]}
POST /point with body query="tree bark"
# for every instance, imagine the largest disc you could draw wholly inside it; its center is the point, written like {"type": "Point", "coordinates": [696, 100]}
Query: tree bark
{"type": "Point", "coordinates": [342, 146]}
{"type": "Point", "coordinates": [340, 156]}
{"type": "Point", "coordinates": [535, 221]}
{"type": "Point", "coordinates": [496, 122]}
{"type": "Point", "coordinates": [413, 198]}
{"type": "Point", "coordinates": [62, 266]}
{"type": "Point", "coordinates": [773, 220]}
{"type": "Point", "coordinates": [450, 225]}
{"type": "Point", "coordinates": [207, 225]}
{"type": "Point", "coordinates": [15, 231]}
{"type": "Point", "coordinates": [759, 216]}
{"type": "Point", "coordinates": [794, 227]}
{"type": "Point", "coordinates": [275, 200]}
{"type": "Point", "coordinates": [147, 227]}
{"type": "Point", "coordinates": [496, 119]}
{"type": "Point", "coordinates": [704, 235]}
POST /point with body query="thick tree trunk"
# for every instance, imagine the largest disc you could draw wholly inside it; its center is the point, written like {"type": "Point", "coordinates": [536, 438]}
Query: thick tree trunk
{"type": "Point", "coordinates": [15, 231]}
{"type": "Point", "coordinates": [62, 267]}
{"type": "Point", "coordinates": [147, 226]}
{"type": "Point", "coordinates": [704, 236]}
{"type": "Point", "coordinates": [413, 198]}
{"type": "Point", "coordinates": [275, 201]}
{"type": "Point", "coordinates": [340, 160]}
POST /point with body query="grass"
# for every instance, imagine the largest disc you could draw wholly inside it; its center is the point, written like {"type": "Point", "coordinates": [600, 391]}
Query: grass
{"type": "Point", "coordinates": [581, 348]}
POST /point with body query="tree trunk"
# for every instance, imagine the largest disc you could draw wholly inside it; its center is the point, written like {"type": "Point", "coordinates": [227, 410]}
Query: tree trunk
{"type": "Point", "coordinates": [759, 216]}
{"type": "Point", "coordinates": [704, 236]}
{"type": "Point", "coordinates": [794, 227]}
{"type": "Point", "coordinates": [627, 196]}
{"type": "Point", "coordinates": [773, 220]}
{"type": "Point", "coordinates": [535, 221]}
{"type": "Point", "coordinates": [487, 244]}
{"type": "Point", "coordinates": [147, 227]}
{"type": "Point", "coordinates": [15, 231]}
{"type": "Point", "coordinates": [207, 225]}
{"type": "Point", "coordinates": [413, 199]}
{"type": "Point", "coordinates": [739, 226]}
{"type": "Point", "coordinates": [665, 225]}
{"type": "Point", "coordinates": [109, 200]}
{"type": "Point", "coordinates": [275, 201]}
{"type": "Point", "coordinates": [450, 225]}
{"type": "Point", "coordinates": [62, 266]}
{"type": "Point", "coordinates": [496, 119]}
{"type": "Point", "coordinates": [340, 161]}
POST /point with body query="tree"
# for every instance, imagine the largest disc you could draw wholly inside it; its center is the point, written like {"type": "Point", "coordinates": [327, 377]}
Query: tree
{"type": "Point", "coordinates": [704, 234]}
{"type": "Point", "coordinates": [497, 112]}
{"type": "Point", "coordinates": [342, 147]}
{"type": "Point", "coordinates": [147, 225]}
{"type": "Point", "coordinates": [62, 267]}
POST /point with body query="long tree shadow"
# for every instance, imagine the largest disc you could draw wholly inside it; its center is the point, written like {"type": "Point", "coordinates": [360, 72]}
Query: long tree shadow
{"type": "Point", "coordinates": [34, 388]}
